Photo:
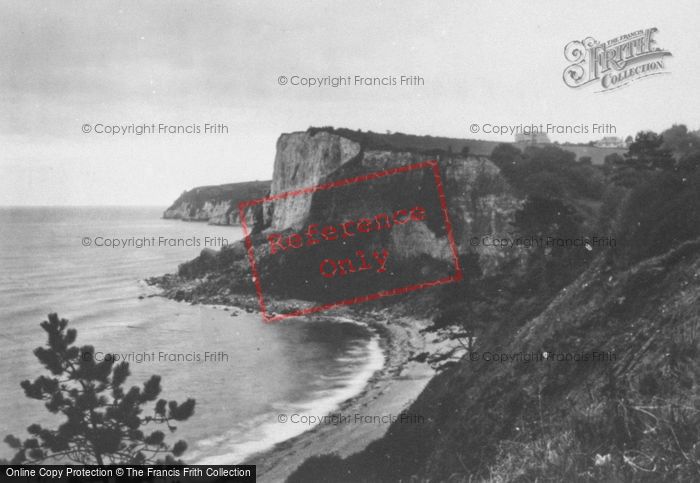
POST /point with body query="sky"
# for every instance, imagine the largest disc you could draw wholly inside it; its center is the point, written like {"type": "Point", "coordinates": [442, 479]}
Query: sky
{"type": "Point", "coordinates": [67, 64]}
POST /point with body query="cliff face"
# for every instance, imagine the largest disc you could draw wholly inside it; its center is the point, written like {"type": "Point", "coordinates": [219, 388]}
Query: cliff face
{"type": "Point", "coordinates": [216, 213]}
{"type": "Point", "coordinates": [303, 160]}
{"type": "Point", "coordinates": [217, 205]}
{"type": "Point", "coordinates": [479, 200]}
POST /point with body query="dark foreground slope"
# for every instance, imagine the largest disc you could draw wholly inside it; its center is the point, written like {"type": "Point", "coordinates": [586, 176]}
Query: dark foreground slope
{"type": "Point", "coordinates": [629, 413]}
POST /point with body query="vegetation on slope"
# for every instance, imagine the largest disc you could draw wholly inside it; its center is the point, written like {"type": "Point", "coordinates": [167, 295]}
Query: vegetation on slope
{"type": "Point", "coordinates": [631, 413]}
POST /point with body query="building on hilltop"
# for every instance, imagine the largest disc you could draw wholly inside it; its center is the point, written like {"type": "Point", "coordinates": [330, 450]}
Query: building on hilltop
{"type": "Point", "coordinates": [533, 137]}
{"type": "Point", "coordinates": [611, 142]}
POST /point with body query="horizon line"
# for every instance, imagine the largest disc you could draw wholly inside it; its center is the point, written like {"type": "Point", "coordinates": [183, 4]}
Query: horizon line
{"type": "Point", "coordinates": [82, 206]}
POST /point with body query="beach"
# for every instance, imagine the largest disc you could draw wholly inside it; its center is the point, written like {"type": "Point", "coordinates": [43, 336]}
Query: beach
{"type": "Point", "coordinates": [410, 353]}
{"type": "Point", "coordinates": [409, 356]}
{"type": "Point", "coordinates": [387, 394]}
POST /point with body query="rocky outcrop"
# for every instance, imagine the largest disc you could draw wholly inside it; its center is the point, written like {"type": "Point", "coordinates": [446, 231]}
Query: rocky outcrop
{"type": "Point", "coordinates": [302, 160]}
{"type": "Point", "coordinates": [480, 201]}
{"type": "Point", "coordinates": [216, 213]}
{"type": "Point", "coordinates": [217, 205]}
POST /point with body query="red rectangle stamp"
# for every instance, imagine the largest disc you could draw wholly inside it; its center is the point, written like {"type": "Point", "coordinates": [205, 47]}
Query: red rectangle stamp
{"type": "Point", "coordinates": [360, 240]}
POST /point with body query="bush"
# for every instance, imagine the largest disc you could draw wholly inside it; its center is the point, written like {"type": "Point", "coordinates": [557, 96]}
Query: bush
{"type": "Point", "coordinates": [548, 171]}
{"type": "Point", "coordinates": [661, 212]}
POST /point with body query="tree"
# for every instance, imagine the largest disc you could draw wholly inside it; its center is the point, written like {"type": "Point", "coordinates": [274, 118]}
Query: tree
{"type": "Point", "coordinates": [659, 213]}
{"type": "Point", "coordinates": [548, 156]}
{"type": "Point", "coordinates": [459, 304]}
{"type": "Point", "coordinates": [613, 159]}
{"type": "Point", "coordinates": [545, 184]}
{"type": "Point", "coordinates": [541, 218]}
{"type": "Point", "coordinates": [610, 163]}
{"type": "Point", "coordinates": [104, 424]}
{"type": "Point", "coordinates": [547, 167]}
{"type": "Point", "coordinates": [689, 163]}
{"type": "Point", "coordinates": [506, 157]}
{"type": "Point", "coordinates": [647, 153]}
{"type": "Point", "coordinates": [680, 141]}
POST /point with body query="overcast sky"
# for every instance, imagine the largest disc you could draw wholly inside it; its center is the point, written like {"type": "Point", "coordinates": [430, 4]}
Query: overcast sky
{"type": "Point", "coordinates": [65, 64]}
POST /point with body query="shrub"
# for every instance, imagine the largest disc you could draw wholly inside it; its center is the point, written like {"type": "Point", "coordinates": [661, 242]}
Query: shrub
{"type": "Point", "coordinates": [104, 423]}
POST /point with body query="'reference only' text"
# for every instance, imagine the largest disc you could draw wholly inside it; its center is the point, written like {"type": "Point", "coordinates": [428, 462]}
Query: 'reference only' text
{"type": "Point", "coordinates": [329, 267]}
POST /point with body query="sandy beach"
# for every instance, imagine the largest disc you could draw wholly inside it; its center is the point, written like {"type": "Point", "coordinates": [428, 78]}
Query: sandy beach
{"type": "Point", "coordinates": [389, 392]}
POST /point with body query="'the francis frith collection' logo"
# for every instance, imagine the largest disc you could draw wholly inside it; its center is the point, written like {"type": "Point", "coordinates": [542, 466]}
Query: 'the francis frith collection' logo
{"type": "Point", "coordinates": [615, 63]}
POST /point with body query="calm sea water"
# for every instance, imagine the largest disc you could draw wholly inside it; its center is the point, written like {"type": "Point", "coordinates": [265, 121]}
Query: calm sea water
{"type": "Point", "coordinates": [294, 367]}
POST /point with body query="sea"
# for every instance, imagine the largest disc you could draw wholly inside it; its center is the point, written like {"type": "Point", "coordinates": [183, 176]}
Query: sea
{"type": "Point", "coordinates": [255, 384]}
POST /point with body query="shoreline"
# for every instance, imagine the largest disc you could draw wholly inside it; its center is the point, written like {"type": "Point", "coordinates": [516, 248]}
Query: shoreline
{"type": "Point", "coordinates": [387, 393]}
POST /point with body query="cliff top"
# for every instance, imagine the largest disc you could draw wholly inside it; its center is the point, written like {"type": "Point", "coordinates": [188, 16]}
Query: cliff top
{"type": "Point", "coordinates": [438, 145]}
{"type": "Point", "coordinates": [410, 142]}
{"type": "Point", "coordinates": [234, 192]}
